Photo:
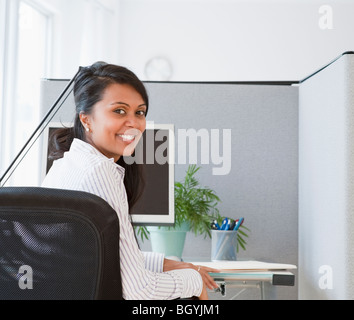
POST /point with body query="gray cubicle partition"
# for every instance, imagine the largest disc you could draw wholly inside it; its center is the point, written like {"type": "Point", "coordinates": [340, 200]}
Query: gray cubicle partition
{"type": "Point", "coordinates": [262, 185]}
{"type": "Point", "coordinates": [247, 147]}
{"type": "Point", "coordinates": [326, 182]}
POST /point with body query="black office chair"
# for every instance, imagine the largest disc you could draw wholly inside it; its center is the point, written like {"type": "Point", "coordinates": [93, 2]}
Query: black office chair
{"type": "Point", "coordinates": [58, 245]}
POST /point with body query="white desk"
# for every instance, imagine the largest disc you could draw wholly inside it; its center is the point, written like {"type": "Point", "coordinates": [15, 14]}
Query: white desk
{"type": "Point", "coordinates": [255, 274]}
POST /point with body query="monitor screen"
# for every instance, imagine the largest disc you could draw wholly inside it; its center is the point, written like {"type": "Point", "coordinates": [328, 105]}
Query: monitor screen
{"type": "Point", "coordinates": [155, 153]}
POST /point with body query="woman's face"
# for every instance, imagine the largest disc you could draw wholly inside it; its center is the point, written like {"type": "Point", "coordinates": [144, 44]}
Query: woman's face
{"type": "Point", "coordinates": [116, 122]}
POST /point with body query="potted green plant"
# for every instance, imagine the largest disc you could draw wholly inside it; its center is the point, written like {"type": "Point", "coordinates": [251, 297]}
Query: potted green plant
{"type": "Point", "coordinates": [195, 210]}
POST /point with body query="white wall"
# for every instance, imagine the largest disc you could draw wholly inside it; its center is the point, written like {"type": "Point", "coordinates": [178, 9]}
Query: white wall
{"type": "Point", "coordinates": [227, 40]}
{"type": "Point", "coordinates": [206, 40]}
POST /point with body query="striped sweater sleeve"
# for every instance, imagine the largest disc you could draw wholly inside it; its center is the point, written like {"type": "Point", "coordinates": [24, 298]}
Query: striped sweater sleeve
{"type": "Point", "coordinates": [142, 276]}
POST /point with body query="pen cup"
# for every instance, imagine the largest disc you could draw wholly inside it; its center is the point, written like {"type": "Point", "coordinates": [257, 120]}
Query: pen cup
{"type": "Point", "coordinates": [223, 245]}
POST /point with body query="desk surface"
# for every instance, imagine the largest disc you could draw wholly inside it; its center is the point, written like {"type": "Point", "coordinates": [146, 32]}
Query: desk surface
{"type": "Point", "coordinates": [274, 273]}
{"type": "Point", "coordinates": [245, 266]}
{"type": "Point", "coordinates": [264, 275]}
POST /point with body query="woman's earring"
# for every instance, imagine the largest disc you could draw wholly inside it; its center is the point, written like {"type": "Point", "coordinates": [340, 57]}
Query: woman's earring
{"type": "Point", "coordinates": [87, 129]}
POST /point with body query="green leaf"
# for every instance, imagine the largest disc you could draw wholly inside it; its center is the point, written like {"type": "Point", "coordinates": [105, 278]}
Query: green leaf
{"type": "Point", "coordinates": [143, 233]}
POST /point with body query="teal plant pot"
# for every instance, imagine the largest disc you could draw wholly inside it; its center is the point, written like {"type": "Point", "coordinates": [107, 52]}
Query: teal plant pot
{"type": "Point", "coordinates": [169, 241]}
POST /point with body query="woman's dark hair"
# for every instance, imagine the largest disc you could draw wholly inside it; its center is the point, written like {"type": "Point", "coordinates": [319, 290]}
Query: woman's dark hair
{"type": "Point", "coordinates": [89, 86]}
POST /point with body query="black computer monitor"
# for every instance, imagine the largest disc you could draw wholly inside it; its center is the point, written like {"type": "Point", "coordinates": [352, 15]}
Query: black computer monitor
{"type": "Point", "coordinates": [155, 152]}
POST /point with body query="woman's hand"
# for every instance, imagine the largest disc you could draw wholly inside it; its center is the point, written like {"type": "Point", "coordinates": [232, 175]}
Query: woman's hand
{"type": "Point", "coordinates": [208, 281]}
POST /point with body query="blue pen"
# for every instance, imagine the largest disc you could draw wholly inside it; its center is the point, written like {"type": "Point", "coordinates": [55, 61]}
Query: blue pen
{"type": "Point", "coordinates": [225, 224]}
{"type": "Point", "coordinates": [238, 224]}
{"type": "Point", "coordinates": [233, 224]}
{"type": "Point", "coordinates": [221, 241]}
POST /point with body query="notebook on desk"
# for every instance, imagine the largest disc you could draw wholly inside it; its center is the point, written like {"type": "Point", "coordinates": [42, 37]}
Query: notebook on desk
{"type": "Point", "coordinates": [246, 265]}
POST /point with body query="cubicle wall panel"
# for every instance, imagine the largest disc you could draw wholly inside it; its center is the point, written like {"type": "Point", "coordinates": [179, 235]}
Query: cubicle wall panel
{"type": "Point", "coordinates": [350, 181]}
{"type": "Point", "coordinates": [326, 175]}
{"type": "Point", "coordinates": [262, 184]}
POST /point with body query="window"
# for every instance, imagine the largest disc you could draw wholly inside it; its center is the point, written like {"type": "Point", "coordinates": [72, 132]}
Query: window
{"type": "Point", "coordinates": [27, 29]}
{"type": "Point", "coordinates": [25, 61]}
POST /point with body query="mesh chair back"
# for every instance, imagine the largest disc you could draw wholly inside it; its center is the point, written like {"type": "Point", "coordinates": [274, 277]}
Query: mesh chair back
{"type": "Point", "coordinates": [57, 245]}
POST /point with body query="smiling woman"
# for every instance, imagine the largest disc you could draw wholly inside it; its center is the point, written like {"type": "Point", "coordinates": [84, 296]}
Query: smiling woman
{"type": "Point", "coordinates": [101, 123]}
{"type": "Point", "coordinates": [111, 106]}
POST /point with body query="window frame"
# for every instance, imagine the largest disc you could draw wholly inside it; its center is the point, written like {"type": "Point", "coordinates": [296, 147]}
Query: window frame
{"type": "Point", "coordinates": [9, 36]}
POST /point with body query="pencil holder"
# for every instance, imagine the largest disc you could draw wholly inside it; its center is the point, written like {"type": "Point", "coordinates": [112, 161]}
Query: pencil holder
{"type": "Point", "coordinates": [223, 245]}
